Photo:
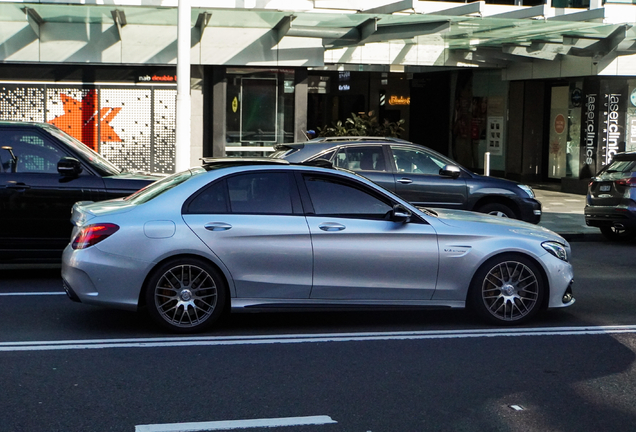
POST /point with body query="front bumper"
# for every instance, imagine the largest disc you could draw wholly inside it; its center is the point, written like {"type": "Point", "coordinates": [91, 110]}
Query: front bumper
{"type": "Point", "coordinates": [530, 210]}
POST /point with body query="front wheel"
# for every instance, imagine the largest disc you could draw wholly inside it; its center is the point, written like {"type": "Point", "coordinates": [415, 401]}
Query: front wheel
{"type": "Point", "coordinates": [497, 209]}
{"type": "Point", "coordinates": [618, 234]}
{"type": "Point", "coordinates": [185, 295]}
{"type": "Point", "coordinates": [507, 290]}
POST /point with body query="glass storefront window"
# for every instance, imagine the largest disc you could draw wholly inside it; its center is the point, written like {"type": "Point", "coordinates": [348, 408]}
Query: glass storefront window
{"type": "Point", "coordinates": [260, 111]}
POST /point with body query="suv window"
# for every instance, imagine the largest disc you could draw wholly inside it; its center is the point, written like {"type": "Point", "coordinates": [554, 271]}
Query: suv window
{"type": "Point", "coordinates": [621, 166]}
{"type": "Point", "coordinates": [27, 152]}
{"type": "Point", "coordinates": [335, 198]}
{"type": "Point", "coordinates": [414, 161]}
{"type": "Point", "coordinates": [361, 158]}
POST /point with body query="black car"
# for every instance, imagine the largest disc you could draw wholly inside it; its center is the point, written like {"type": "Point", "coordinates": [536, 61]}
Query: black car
{"type": "Point", "coordinates": [611, 198]}
{"type": "Point", "coordinates": [43, 172]}
{"type": "Point", "coordinates": [420, 175]}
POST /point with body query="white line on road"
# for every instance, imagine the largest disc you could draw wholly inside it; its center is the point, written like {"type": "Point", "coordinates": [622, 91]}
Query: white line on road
{"type": "Point", "coordinates": [308, 338]}
{"type": "Point", "coordinates": [235, 424]}
{"type": "Point", "coordinates": [32, 293]}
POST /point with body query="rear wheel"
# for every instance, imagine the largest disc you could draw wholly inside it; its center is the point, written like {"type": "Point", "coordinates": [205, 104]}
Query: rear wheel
{"type": "Point", "coordinates": [618, 234]}
{"type": "Point", "coordinates": [185, 295]}
{"type": "Point", "coordinates": [497, 209]}
{"type": "Point", "coordinates": [507, 290]}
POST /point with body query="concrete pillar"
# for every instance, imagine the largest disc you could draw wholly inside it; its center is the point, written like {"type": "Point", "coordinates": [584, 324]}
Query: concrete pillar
{"type": "Point", "coordinates": [300, 105]}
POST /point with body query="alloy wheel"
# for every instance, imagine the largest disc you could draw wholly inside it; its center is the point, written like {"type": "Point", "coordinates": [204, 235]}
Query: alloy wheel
{"type": "Point", "coordinates": [510, 291]}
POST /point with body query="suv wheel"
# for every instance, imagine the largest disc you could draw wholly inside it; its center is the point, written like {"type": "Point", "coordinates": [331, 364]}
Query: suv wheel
{"type": "Point", "coordinates": [618, 234]}
{"type": "Point", "coordinates": [497, 209]}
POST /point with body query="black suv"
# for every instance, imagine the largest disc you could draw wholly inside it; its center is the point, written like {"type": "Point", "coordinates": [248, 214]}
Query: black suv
{"type": "Point", "coordinates": [611, 198]}
{"type": "Point", "coordinates": [43, 172]}
{"type": "Point", "coordinates": [418, 174]}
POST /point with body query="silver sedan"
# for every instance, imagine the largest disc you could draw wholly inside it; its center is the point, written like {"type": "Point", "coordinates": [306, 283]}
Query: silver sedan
{"type": "Point", "coordinates": [264, 235]}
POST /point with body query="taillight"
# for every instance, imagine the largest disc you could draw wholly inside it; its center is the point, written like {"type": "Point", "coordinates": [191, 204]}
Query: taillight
{"type": "Point", "coordinates": [631, 182]}
{"type": "Point", "coordinates": [93, 234]}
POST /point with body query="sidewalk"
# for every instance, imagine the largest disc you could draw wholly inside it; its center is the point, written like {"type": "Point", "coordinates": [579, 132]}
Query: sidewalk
{"type": "Point", "coordinates": [563, 214]}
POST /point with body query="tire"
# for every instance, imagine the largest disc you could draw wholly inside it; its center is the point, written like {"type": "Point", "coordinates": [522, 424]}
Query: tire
{"type": "Point", "coordinates": [507, 290]}
{"type": "Point", "coordinates": [617, 234]}
{"type": "Point", "coordinates": [497, 209]}
{"type": "Point", "coordinates": [185, 295]}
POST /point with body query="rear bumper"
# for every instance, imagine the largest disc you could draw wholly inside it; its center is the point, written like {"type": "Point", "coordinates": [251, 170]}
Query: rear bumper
{"type": "Point", "coordinates": [610, 216]}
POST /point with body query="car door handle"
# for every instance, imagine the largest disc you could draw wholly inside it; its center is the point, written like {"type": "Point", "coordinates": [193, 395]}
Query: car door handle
{"type": "Point", "coordinates": [16, 185]}
{"type": "Point", "coordinates": [217, 226]}
{"type": "Point", "coordinates": [405, 180]}
{"type": "Point", "coordinates": [331, 226]}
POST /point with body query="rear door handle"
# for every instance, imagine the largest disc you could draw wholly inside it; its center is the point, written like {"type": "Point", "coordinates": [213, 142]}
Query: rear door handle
{"type": "Point", "coordinates": [331, 226]}
{"type": "Point", "coordinates": [217, 226]}
{"type": "Point", "coordinates": [405, 180]}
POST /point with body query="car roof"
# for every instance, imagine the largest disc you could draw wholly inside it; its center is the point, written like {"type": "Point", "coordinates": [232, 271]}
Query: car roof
{"type": "Point", "coordinates": [630, 155]}
{"type": "Point", "coordinates": [23, 123]}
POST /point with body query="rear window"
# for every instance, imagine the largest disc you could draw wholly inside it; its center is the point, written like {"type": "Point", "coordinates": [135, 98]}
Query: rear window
{"type": "Point", "coordinates": [155, 189]}
{"type": "Point", "coordinates": [621, 166]}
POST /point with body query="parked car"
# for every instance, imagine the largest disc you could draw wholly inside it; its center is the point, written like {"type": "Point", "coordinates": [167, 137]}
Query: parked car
{"type": "Point", "coordinates": [419, 175]}
{"type": "Point", "coordinates": [611, 198]}
{"type": "Point", "coordinates": [43, 172]}
{"type": "Point", "coordinates": [262, 234]}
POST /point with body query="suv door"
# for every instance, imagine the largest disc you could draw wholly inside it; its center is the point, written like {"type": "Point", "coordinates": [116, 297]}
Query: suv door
{"type": "Point", "coordinates": [359, 254]}
{"type": "Point", "coordinates": [417, 179]}
{"type": "Point", "coordinates": [35, 200]}
{"type": "Point", "coordinates": [370, 161]}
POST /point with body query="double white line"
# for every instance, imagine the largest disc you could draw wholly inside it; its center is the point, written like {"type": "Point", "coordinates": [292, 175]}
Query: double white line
{"type": "Point", "coordinates": [308, 338]}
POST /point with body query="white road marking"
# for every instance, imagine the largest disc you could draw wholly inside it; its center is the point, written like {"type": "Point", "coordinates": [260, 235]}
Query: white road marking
{"type": "Point", "coordinates": [235, 424]}
{"type": "Point", "coordinates": [308, 338]}
{"type": "Point", "coordinates": [32, 293]}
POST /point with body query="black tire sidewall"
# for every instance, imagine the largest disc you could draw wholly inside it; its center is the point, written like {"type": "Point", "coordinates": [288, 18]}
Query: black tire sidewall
{"type": "Point", "coordinates": [476, 303]}
{"type": "Point", "coordinates": [159, 271]}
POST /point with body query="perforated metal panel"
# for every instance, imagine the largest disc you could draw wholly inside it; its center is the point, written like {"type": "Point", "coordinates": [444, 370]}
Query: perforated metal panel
{"type": "Point", "coordinates": [21, 103]}
{"type": "Point", "coordinates": [165, 136]}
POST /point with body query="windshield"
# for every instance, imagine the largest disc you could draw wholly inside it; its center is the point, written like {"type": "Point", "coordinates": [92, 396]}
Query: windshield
{"type": "Point", "coordinates": [88, 154]}
{"type": "Point", "coordinates": [155, 189]}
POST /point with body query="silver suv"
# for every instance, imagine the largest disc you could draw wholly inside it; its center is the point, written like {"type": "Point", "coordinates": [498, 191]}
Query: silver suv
{"type": "Point", "coordinates": [611, 198]}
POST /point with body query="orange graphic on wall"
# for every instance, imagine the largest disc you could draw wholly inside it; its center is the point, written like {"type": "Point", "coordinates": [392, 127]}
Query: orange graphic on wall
{"type": "Point", "coordinates": [81, 120]}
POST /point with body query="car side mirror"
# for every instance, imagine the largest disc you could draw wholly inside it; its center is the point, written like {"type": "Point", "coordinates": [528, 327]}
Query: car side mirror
{"type": "Point", "coordinates": [451, 171]}
{"type": "Point", "coordinates": [399, 213]}
{"type": "Point", "coordinates": [69, 167]}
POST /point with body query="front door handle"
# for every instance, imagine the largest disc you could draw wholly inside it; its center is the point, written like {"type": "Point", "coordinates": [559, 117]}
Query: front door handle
{"type": "Point", "coordinates": [331, 226]}
{"type": "Point", "coordinates": [17, 185]}
{"type": "Point", "coordinates": [217, 226]}
{"type": "Point", "coordinates": [405, 180]}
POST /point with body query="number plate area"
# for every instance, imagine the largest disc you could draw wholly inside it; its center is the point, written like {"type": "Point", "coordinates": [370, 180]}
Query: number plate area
{"type": "Point", "coordinates": [605, 188]}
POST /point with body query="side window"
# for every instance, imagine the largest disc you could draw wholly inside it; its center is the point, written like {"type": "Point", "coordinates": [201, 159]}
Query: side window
{"type": "Point", "coordinates": [28, 153]}
{"type": "Point", "coordinates": [413, 161]}
{"type": "Point", "coordinates": [369, 158]}
{"type": "Point", "coordinates": [260, 193]}
{"type": "Point", "coordinates": [336, 198]}
{"type": "Point", "coordinates": [212, 200]}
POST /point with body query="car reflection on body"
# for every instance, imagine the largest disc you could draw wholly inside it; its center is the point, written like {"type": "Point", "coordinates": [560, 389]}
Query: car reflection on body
{"type": "Point", "coordinates": [266, 235]}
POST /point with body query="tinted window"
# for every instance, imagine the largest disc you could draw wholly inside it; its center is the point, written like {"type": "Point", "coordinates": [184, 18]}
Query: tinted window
{"type": "Point", "coordinates": [622, 166]}
{"type": "Point", "coordinates": [330, 197]}
{"type": "Point", "coordinates": [28, 153]}
{"type": "Point", "coordinates": [157, 188]}
{"type": "Point", "coordinates": [361, 158]}
{"type": "Point", "coordinates": [212, 200]}
{"type": "Point", "coordinates": [260, 193]}
{"type": "Point", "coordinates": [414, 161]}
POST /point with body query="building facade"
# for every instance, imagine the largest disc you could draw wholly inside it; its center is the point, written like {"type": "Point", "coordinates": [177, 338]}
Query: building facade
{"type": "Point", "coordinates": [544, 89]}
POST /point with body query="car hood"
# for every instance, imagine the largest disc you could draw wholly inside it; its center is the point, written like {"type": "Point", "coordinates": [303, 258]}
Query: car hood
{"type": "Point", "coordinates": [463, 219]}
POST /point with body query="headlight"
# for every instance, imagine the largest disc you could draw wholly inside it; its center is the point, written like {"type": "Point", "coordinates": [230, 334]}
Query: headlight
{"type": "Point", "coordinates": [556, 249]}
{"type": "Point", "coordinates": [528, 190]}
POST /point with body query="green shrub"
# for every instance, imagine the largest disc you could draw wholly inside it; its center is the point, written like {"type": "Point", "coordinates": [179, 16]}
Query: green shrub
{"type": "Point", "coordinates": [363, 124]}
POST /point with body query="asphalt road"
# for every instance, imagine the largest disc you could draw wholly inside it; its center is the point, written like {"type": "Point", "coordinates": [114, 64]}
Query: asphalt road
{"type": "Point", "coordinates": [70, 367]}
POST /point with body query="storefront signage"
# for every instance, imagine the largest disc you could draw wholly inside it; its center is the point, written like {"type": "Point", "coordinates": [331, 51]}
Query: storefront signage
{"type": "Point", "coordinates": [590, 128]}
{"type": "Point", "coordinates": [399, 100]}
{"type": "Point", "coordinates": [157, 78]}
{"type": "Point", "coordinates": [611, 127]}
